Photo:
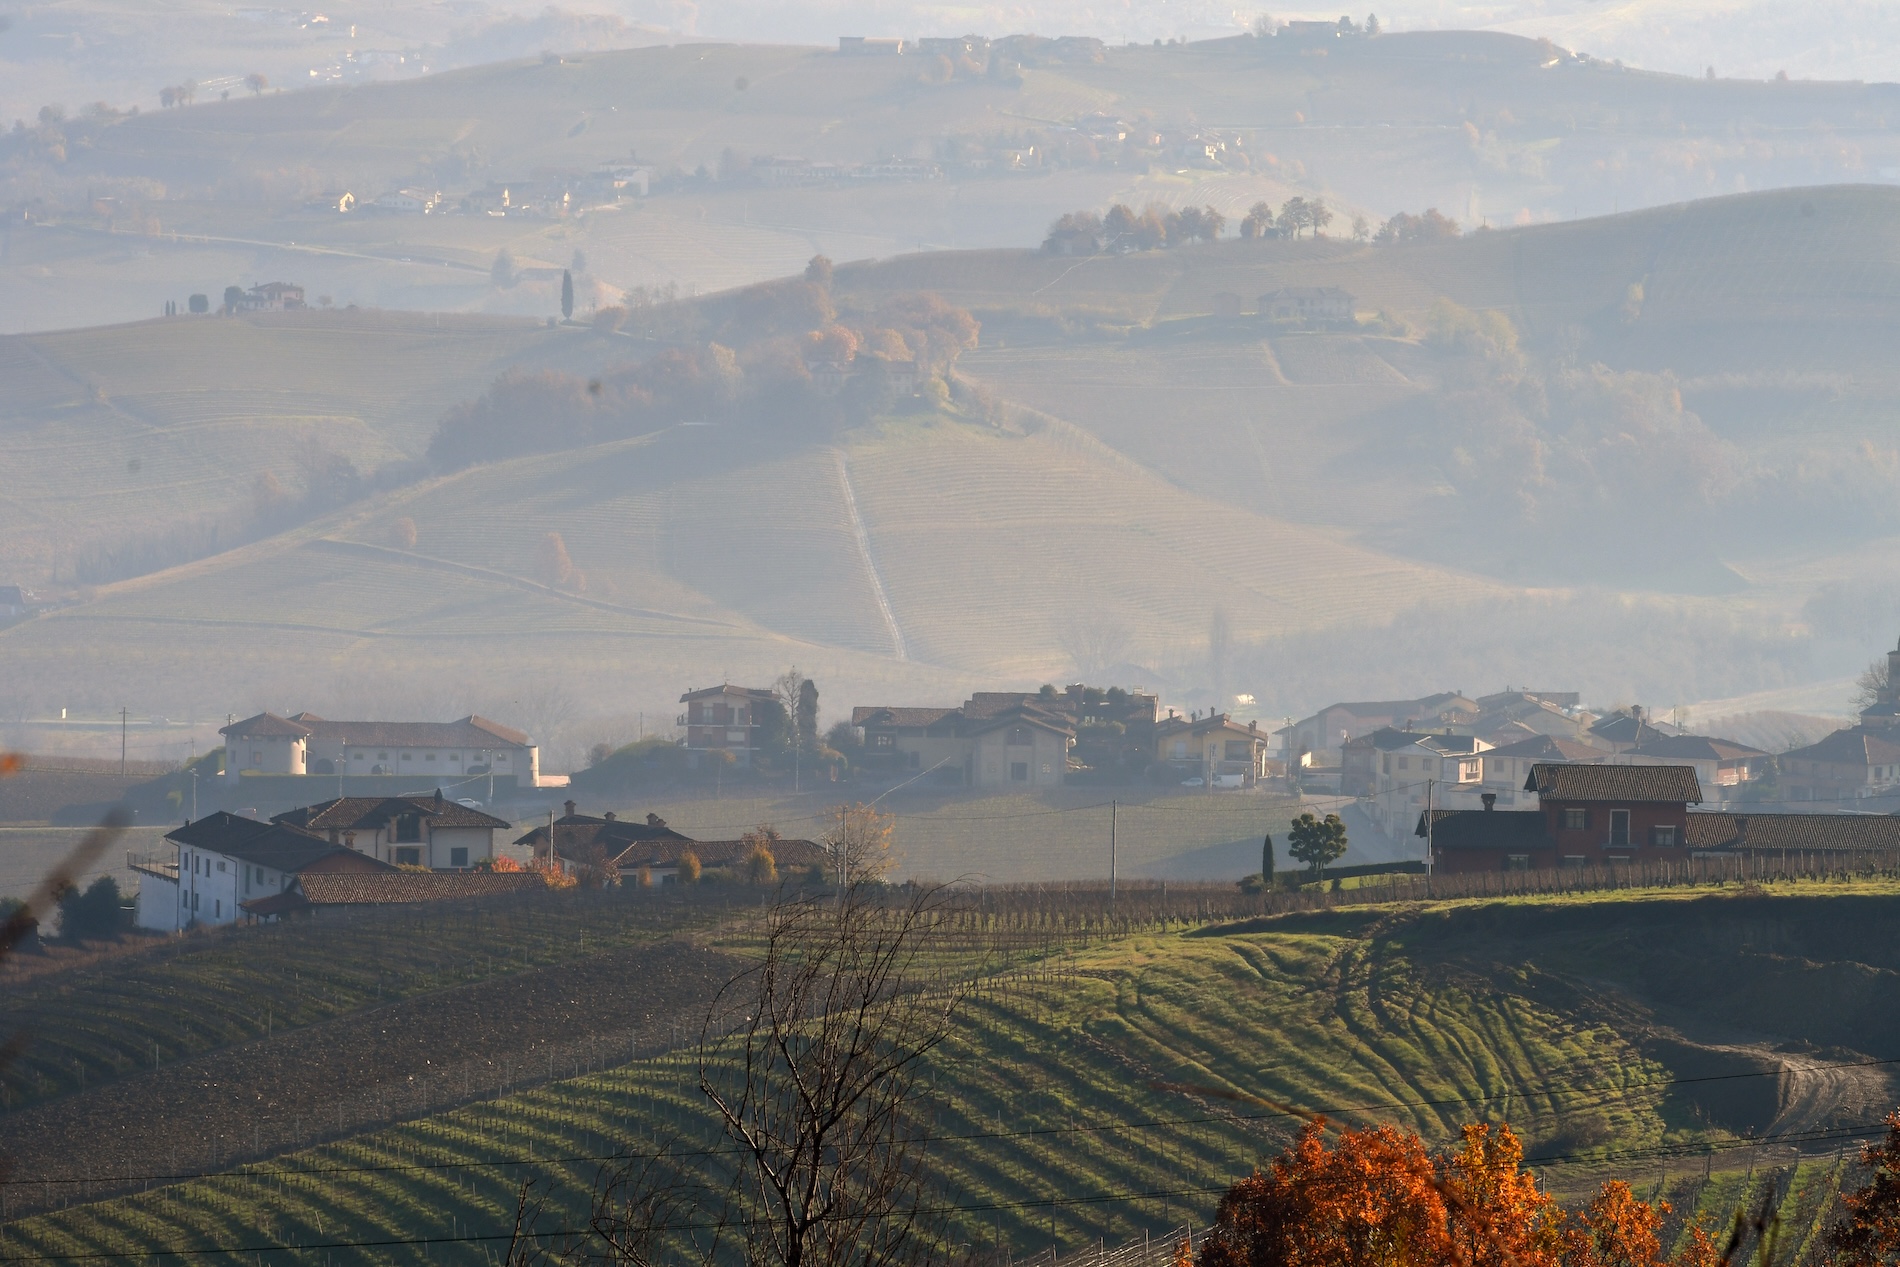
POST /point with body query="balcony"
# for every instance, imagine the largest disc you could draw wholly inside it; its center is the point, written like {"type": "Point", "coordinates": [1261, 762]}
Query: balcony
{"type": "Point", "coordinates": [161, 866]}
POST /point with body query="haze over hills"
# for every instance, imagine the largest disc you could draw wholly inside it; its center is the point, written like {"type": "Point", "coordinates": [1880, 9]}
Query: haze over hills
{"type": "Point", "coordinates": [121, 214]}
{"type": "Point", "coordinates": [1650, 450]}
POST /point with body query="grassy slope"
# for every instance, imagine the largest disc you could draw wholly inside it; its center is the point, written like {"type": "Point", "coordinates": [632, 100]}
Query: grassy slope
{"type": "Point", "coordinates": [1043, 1085]}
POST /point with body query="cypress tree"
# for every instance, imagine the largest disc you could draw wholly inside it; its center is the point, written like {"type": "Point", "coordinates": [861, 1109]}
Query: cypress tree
{"type": "Point", "coordinates": [1266, 860]}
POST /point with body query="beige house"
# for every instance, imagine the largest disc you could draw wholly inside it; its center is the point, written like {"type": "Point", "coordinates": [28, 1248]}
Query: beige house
{"type": "Point", "coordinates": [1022, 748]}
{"type": "Point", "coordinates": [1213, 750]}
{"type": "Point", "coordinates": [995, 740]}
{"type": "Point", "coordinates": [1416, 771]}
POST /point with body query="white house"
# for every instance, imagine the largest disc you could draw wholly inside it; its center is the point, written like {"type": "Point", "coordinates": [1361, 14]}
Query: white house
{"type": "Point", "coordinates": [443, 752]}
{"type": "Point", "coordinates": [1413, 769]}
{"type": "Point", "coordinates": [223, 860]}
{"type": "Point", "coordinates": [406, 831]}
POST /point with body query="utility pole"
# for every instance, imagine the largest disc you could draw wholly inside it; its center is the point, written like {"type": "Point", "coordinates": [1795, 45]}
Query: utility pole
{"type": "Point", "coordinates": [122, 715]}
{"type": "Point", "coordinates": [1114, 812]}
{"type": "Point", "coordinates": [1430, 787]}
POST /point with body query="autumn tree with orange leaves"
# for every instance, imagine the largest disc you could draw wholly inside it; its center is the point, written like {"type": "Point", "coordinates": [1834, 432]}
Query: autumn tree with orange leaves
{"type": "Point", "coordinates": [1378, 1198]}
{"type": "Point", "coordinates": [1868, 1234]}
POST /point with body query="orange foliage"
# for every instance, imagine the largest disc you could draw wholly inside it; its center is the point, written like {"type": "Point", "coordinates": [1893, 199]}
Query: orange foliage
{"type": "Point", "coordinates": [11, 763]}
{"type": "Point", "coordinates": [1378, 1199]}
{"type": "Point", "coordinates": [1869, 1235]}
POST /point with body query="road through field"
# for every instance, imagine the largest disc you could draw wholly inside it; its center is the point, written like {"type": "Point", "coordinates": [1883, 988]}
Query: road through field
{"type": "Point", "coordinates": [261, 1098]}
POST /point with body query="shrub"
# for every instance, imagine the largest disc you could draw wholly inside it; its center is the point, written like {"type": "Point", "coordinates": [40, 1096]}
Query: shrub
{"type": "Point", "coordinates": [92, 915]}
{"type": "Point", "coordinates": [689, 869]}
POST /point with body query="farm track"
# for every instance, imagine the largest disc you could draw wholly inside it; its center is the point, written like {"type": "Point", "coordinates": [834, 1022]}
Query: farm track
{"type": "Point", "coordinates": [274, 1094]}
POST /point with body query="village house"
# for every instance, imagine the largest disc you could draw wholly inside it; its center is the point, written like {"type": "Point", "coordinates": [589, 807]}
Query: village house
{"type": "Point", "coordinates": [441, 752]}
{"type": "Point", "coordinates": [1214, 750]}
{"type": "Point", "coordinates": [406, 831]}
{"type": "Point", "coordinates": [1313, 743]}
{"type": "Point", "coordinates": [1629, 728]}
{"type": "Point", "coordinates": [1507, 767]}
{"type": "Point", "coordinates": [341, 201]}
{"type": "Point", "coordinates": [723, 719]}
{"type": "Point", "coordinates": [1722, 765]}
{"type": "Point", "coordinates": [1418, 770]}
{"type": "Point", "coordinates": [996, 739]}
{"type": "Point", "coordinates": [1603, 814]}
{"type": "Point", "coordinates": [224, 860]}
{"type": "Point", "coordinates": [409, 201]}
{"type": "Point", "coordinates": [1848, 765]}
{"type": "Point", "coordinates": [270, 297]}
{"type": "Point", "coordinates": [632, 847]}
{"type": "Point", "coordinates": [1307, 305]}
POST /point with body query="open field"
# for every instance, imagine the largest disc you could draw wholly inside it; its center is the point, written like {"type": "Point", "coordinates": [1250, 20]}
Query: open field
{"type": "Point", "coordinates": [1088, 1080]}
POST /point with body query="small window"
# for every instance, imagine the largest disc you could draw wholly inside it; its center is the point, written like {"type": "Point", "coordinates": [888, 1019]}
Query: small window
{"type": "Point", "coordinates": [430, 757]}
{"type": "Point", "coordinates": [1576, 819]}
{"type": "Point", "coordinates": [357, 757]}
{"type": "Point", "coordinates": [257, 756]}
{"type": "Point", "coordinates": [1574, 860]}
{"type": "Point", "coordinates": [382, 756]}
{"type": "Point", "coordinates": [409, 856]}
{"type": "Point", "coordinates": [1019, 771]}
{"type": "Point", "coordinates": [408, 756]}
{"type": "Point", "coordinates": [217, 909]}
{"type": "Point", "coordinates": [1619, 827]}
{"type": "Point", "coordinates": [1662, 835]}
{"type": "Point", "coordinates": [458, 857]}
{"type": "Point", "coordinates": [502, 759]}
{"type": "Point", "coordinates": [884, 741]}
{"type": "Point", "coordinates": [220, 868]}
{"type": "Point", "coordinates": [1517, 862]}
{"type": "Point", "coordinates": [916, 760]}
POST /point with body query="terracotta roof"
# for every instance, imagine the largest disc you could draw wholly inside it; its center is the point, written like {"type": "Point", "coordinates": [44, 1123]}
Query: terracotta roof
{"type": "Point", "coordinates": [717, 853]}
{"type": "Point", "coordinates": [364, 813]}
{"type": "Point", "coordinates": [1578, 782]}
{"type": "Point", "coordinates": [401, 888]}
{"type": "Point", "coordinates": [1019, 717]}
{"type": "Point", "coordinates": [1399, 707]}
{"type": "Point", "coordinates": [1850, 747]}
{"type": "Point", "coordinates": [1485, 829]}
{"type": "Point", "coordinates": [279, 846]}
{"type": "Point", "coordinates": [1794, 831]}
{"type": "Point", "coordinates": [1697, 748]}
{"type": "Point", "coordinates": [577, 832]}
{"type": "Point", "coordinates": [469, 732]}
{"type": "Point", "coordinates": [1171, 726]}
{"type": "Point", "coordinates": [1550, 748]}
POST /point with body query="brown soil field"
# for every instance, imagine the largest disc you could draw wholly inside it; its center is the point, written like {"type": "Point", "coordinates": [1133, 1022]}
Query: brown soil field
{"type": "Point", "coordinates": [324, 1081]}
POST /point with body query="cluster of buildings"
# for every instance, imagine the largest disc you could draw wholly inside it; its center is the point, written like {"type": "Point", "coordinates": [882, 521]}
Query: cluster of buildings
{"type": "Point", "coordinates": [544, 196]}
{"type": "Point", "coordinates": [356, 852]}
{"type": "Point", "coordinates": [306, 744]}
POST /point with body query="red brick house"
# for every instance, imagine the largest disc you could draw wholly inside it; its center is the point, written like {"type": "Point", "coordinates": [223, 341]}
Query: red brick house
{"type": "Point", "coordinates": [723, 718]}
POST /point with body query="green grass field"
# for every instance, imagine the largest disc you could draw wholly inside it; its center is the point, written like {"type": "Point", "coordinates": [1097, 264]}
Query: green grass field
{"type": "Point", "coordinates": [1094, 1091]}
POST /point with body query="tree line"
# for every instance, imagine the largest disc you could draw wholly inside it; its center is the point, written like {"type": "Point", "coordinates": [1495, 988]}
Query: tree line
{"type": "Point", "coordinates": [1122, 229]}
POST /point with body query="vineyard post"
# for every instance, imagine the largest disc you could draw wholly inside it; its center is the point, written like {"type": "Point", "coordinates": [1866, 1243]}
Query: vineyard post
{"type": "Point", "coordinates": [1114, 812]}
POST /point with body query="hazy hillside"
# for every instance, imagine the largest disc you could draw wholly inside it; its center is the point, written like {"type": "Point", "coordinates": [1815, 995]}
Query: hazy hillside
{"type": "Point", "coordinates": [1618, 450]}
{"type": "Point", "coordinates": [1490, 128]}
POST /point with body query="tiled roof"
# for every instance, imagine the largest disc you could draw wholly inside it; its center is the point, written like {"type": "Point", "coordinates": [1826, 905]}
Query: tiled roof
{"type": "Point", "coordinates": [1568, 782]}
{"type": "Point", "coordinates": [265, 726]}
{"type": "Point", "coordinates": [278, 846]}
{"type": "Point", "coordinates": [717, 853]}
{"type": "Point", "coordinates": [577, 832]}
{"type": "Point", "coordinates": [1850, 747]}
{"type": "Point", "coordinates": [365, 813]}
{"type": "Point", "coordinates": [749, 692]}
{"type": "Point", "coordinates": [1549, 748]}
{"type": "Point", "coordinates": [1485, 829]}
{"type": "Point", "coordinates": [1794, 831]}
{"type": "Point", "coordinates": [469, 732]}
{"type": "Point", "coordinates": [1018, 717]}
{"type": "Point", "coordinates": [1697, 748]}
{"type": "Point", "coordinates": [881, 715]}
{"type": "Point", "coordinates": [1170, 726]}
{"type": "Point", "coordinates": [408, 887]}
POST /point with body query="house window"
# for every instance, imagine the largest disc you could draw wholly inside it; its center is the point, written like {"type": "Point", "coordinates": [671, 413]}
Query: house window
{"type": "Point", "coordinates": [1467, 771]}
{"type": "Point", "coordinates": [430, 757]}
{"type": "Point", "coordinates": [217, 909]}
{"type": "Point", "coordinates": [1619, 827]}
{"type": "Point", "coordinates": [1239, 750]}
{"type": "Point", "coordinates": [409, 856]}
{"type": "Point", "coordinates": [1019, 772]}
{"type": "Point", "coordinates": [916, 760]}
{"type": "Point", "coordinates": [220, 868]}
{"type": "Point", "coordinates": [1574, 860]}
{"type": "Point", "coordinates": [409, 827]}
{"type": "Point", "coordinates": [1576, 819]}
{"type": "Point", "coordinates": [884, 741]}
{"type": "Point", "coordinates": [1180, 750]}
{"type": "Point", "coordinates": [502, 759]}
{"type": "Point", "coordinates": [382, 756]}
{"type": "Point", "coordinates": [194, 901]}
{"type": "Point", "coordinates": [408, 756]}
{"type": "Point", "coordinates": [458, 857]}
{"type": "Point", "coordinates": [256, 755]}
{"type": "Point", "coordinates": [357, 757]}
{"type": "Point", "coordinates": [1662, 835]}
{"type": "Point", "coordinates": [1517, 862]}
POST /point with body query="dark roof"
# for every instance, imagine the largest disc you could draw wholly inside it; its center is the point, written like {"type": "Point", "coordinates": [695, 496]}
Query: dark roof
{"type": "Point", "coordinates": [279, 846]}
{"type": "Point", "coordinates": [1398, 707]}
{"type": "Point", "coordinates": [1018, 717]}
{"type": "Point", "coordinates": [1578, 782]}
{"type": "Point", "coordinates": [1169, 726]}
{"type": "Point", "coordinates": [1697, 748]}
{"type": "Point", "coordinates": [883, 715]}
{"type": "Point", "coordinates": [1485, 829]}
{"type": "Point", "coordinates": [395, 888]}
{"type": "Point", "coordinates": [469, 732]}
{"type": "Point", "coordinates": [1627, 728]}
{"type": "Point", "coordinates": [576, 833]}
{"type": "Point", "coordinates": [365, 813]}
{"type": "Point", "coordinates": [1550, 748]}
{"type": "Point", "coordinates": [750, 692]}
{"type": "Point", "coordinates": [1850, 747]}
{"type": "Point", "coordinates": [1793, 831]}
{"type": "Point", "coordinates": [717, 853]}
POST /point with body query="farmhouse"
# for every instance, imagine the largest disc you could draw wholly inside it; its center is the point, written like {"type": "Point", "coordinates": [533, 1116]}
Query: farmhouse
{"type": "Point", "coordinates": [408, 831]}
{"type": "Point", "coordinates": [223, 860]}
{"type": "Point", "coordinates": [309, 745]}
{"type": "Point", "coordinates": [271, 297]}
{"type": "Point", "coordinates": [1600, 814]}
{"type": "Point", "coordinates": [996, 739]}
{"type": "Point", "coordinates": [724, 719]}
{"type": "Point", "coordinates": [631, 846]}
{"type": "Point", "coordinates": [1845, 766]}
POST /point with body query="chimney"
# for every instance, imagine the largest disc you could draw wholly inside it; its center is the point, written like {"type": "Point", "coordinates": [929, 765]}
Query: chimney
{"type": "Point", "coordinates": [609, 816]}
{"type": "Point", "coordinates": [1490, 800]}
{"type": "Point", "coordinates": [654, 820]}
{"type": "Point", "coordinates": [569, 806]}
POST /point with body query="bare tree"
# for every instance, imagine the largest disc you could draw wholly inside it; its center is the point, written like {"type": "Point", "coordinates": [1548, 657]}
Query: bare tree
{"type": "Point", "coordinates": [809, 1061]}
{"type": "Point", "coordinates": [1873, 682]}
{"type": "Point", "coordinates": [1093, 640]}
{"type": "Point", "coordinates": [860, 845]}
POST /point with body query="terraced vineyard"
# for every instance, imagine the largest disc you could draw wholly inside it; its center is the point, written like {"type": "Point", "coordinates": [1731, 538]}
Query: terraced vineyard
{"type": "Point", "coordinates": [1114, 1088]}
